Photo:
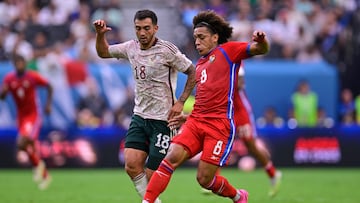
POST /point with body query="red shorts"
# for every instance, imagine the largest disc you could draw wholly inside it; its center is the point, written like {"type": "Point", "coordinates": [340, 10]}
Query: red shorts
{"type": "Point", "coordinates": [213, 137]}
{"type": "Point", "coordinates": [246, 128]}
{"type": "Point", "coordinates": [29, 126]}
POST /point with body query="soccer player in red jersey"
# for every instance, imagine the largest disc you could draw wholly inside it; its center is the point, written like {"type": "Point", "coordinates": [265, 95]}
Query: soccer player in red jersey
{"type": "Point", "coordinates": [210, 128]}
{"type": "Point", "coordinates": [247, 132]}
{"type": "Point", "coordinates": [22, 85]}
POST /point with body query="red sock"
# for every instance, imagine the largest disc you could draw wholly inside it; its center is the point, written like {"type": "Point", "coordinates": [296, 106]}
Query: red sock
{"type": "Point", "coordinates": [270, 169]}
{"type": "Point", "coordinates": [33, 156]}
{"type": "Point", "coordinates": [222, 187]}
{"type": "Point", "coordinates": [159, 181]}
{"type": "Point", "coordinates": [45, 173]}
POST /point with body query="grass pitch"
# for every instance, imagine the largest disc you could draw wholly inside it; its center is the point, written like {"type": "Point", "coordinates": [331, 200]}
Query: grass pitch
{"type": "Point", "coordinates": [113, 186]}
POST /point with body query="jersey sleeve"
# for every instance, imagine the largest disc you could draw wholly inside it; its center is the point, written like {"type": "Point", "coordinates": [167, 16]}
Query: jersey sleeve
{"type": "Point", "coordinates": [6, 82]}
{"type": "Point", "coordinates": [39, 80]}
{"type": "Point", "coordinates": [237, 51]}
{"type": "Point", "coordinates": [177, 59]}
{"type": "Point", "coordinates": [120, 50]}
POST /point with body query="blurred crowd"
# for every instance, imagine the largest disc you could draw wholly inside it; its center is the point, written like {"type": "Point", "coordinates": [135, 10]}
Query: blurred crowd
{"type": "Point", "coordinates": [36, 28]}
{"type": "Point", "coordinates": [57, 36]}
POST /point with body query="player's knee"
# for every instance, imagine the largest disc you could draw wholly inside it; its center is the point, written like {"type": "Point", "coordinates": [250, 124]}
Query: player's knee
{"type": "Point", "coordinates": [22, 143]}
{"type": "Point", "coordinates": [203, 180]}
{"type": "Point", "coordinates": [133, 168]}
{"type": "Point", "coordinates": [176, 155]}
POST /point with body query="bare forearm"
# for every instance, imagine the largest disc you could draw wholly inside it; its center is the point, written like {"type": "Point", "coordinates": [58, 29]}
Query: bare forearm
{"type": "Point", "coordinates": [260, 43]}
{"type": "Point", "coordinates": [190, 84]}
{"type": "Point", "coordinates": [102, 46]}
{"type": "Point", "coordinates": [3, 93]}
{"type": "Point", "coordinates": [262, 47]}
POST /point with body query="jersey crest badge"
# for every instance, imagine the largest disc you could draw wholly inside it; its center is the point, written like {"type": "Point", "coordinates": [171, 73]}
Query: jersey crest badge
{"type": "Point", "coordinates": [212, 58]}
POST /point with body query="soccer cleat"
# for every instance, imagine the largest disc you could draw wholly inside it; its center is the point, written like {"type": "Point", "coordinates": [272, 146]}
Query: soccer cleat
{"type": "Point", "coordinates": [45, 182]}
{"type": "Point", "coordinates": [244, 195]}
{"type": "Point", "coordinates": [38, 172]}
{"type": "Point", "coordinates": [157, 200]}
{"type": "Point", "coordinates": [206, 191]}
{"type": "Point", "coordinates": [275, 184]}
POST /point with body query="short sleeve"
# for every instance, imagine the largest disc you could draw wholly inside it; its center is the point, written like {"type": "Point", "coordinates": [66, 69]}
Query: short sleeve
{"type": "Point", "coordinates": [120, 50]}
{"type": "Point", "coordinates": [39, 80]}
{"type": "Point", "coordinates": [237, 51]}
{"type": "Point", "coordinates": [177, 59]}
{"type": "Point", "coordinates": [6, 81]}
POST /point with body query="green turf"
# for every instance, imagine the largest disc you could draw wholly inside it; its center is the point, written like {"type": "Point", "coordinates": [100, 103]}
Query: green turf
{"type": "Point", "coordinates": [113, 186]}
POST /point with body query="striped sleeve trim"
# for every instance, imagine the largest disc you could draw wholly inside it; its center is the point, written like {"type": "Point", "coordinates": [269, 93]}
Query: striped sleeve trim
{"type": "Point", "coordinates": [173, 49]}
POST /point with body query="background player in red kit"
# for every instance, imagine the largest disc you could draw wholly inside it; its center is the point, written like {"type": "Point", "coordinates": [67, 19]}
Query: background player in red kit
{"type": "Point", "coordinates": [210, 128]}
{"type": "Point", "coordinates": [22, 84]}
{"type": "Point", "coordinates": [247, 132]}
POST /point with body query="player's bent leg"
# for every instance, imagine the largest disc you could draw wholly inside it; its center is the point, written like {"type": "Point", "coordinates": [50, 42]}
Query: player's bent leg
{"type": "Point", "coordinates": [28, 145]}
{"type": "Point", "coordinates": [45, 182]}
{"type": "Point", "coordinates": [207, 191]}
{"type": "Point", "coordinates": [260, 155]}
{"type": "Point", "coordinates": [275, 183]}
{"type": "Point", "coordinates": [219, 184]}
{"type": "Point", "coordinates": [134, 167]}
{"type": "Point", "coordinates": [264, 158]}
{"type": "Point", "coordinates": [39, 171]}
{"type": "Point", "coordinates": [134, 161]}
{"type": "Point", "coordinates": [161, 177]}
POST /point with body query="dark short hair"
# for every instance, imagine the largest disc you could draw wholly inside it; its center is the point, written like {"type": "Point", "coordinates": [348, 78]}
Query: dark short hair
{"type": "Point", "coordinates": [17, 57]}
{"type": "Point", "coordinates": [142, 14]}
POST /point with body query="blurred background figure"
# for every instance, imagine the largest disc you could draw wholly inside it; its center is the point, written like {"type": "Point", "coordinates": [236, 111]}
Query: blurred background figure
{"type": "Point", "coordinates": [124, 113]}
{"type": "Point", "coordinates": [270, 119]}
{"type": "Point", "coordinates": [323, 120]}
{"type": "Point", "coordinates": [92, 107]}
{"type": "Point", "coordinates": [304, 106]}
{"type": "Point", "coordinates": [23, 84]}
{"type": "Point", "coordinates": [347, 107]}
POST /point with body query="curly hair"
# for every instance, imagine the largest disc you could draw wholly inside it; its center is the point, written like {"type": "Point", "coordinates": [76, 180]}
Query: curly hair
{"type": "Point", "coordinates": [215, 24]}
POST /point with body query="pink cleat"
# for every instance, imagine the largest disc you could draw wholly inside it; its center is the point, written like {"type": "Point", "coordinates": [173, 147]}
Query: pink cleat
{"type": "Point", "coordinates": [243, 196]}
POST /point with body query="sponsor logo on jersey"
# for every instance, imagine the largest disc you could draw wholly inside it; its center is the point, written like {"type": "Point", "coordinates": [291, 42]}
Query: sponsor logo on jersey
{"type": "Point", "coordinates": [163, 151]}
{"type": "Point", "coordinates": [213, 157]}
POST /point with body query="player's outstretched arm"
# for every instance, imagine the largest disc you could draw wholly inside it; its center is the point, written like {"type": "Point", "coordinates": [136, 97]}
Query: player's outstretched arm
{"type": "Point", "coordinates": [260, 43]}
{"type": "Point", "coordinates": [102, 45]}
{"type": "Point", "coordinates": [3, 92]}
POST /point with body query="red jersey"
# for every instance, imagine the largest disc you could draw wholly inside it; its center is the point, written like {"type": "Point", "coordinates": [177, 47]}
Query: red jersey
{"type": "Point", "coordinates": [23, 90]}
{"type": "Point", "coordinates": [216, 80]}
{"type": "Point", "coordinates": [244, 117]}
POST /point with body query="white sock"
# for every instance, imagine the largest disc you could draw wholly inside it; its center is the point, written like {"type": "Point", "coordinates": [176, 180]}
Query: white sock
{"type": "Point", "coordinates": [237, 197]}
{"type": "Point", "coordinates": [140, 182]}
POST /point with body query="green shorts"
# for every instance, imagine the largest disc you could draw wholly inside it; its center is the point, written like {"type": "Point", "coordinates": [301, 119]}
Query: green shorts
{"type": "Point", "coordinates": [150, 136]}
